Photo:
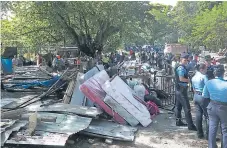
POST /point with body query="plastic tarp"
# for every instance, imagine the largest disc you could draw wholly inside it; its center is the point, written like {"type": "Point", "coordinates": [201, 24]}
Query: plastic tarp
{"type": "Point", "coordinates": [46, 83]}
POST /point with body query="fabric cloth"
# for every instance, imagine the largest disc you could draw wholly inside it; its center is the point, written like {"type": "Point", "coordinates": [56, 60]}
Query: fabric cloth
{"type": "Point", "coordinates": [198, 81]}
{"type": "Point", "coordinates": [216, 89]}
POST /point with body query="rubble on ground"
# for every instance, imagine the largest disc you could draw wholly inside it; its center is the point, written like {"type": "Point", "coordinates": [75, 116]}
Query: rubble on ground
{"type": "Point", "coordinates": [54, 106]}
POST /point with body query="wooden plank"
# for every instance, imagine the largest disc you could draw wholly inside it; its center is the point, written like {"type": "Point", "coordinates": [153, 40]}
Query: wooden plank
{"type": "Point", "coordinates": [69, 91]}
{"type": "Point", "coordinates": [120, 110]}
{"type": "Point", "coordinates": [123, 96]}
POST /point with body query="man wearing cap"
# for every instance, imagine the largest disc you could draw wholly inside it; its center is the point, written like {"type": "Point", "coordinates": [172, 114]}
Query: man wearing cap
{"type": "Point", "coordinates": [182, 100]}
{"type": "Point", "coordinates": [198, 83]}
{"type": "Point", "coordinates": [216, 91]}
{"type": "Point", "coordinates": [210, 68]}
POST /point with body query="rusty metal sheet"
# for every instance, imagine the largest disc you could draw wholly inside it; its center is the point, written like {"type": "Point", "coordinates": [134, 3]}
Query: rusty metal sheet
{"type": "Point", "coordinates": [15, 127]}
{"type": "Point", "coordinates": [39, 138]}
{"type": "Point", "coordinates": [107, 129]}
{"type": "Point", "coordinates": [67, 108]}
{"type": "Point", "coordinates": [68, 124]}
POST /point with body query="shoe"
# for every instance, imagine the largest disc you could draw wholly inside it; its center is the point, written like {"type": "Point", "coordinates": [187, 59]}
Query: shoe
{"type": "Point", "coordinates": [180, 123]}
{"type": "Point", "coordinates": [218, 139]}
{"type": "Point", "coordinates": [192, 128]}
{"type": "Point", "coordinates": [201, 136]}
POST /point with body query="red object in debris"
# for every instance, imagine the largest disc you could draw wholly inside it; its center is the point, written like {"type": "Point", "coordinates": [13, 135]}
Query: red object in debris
{"type": "Point", "coordinates": [152, 108]}
{"type": "Point", "coordinates": [214, 62]}
{"type": "Point", "coordinates": [78, 62]}
{"type": "Point", "coordinates": [94, 97]}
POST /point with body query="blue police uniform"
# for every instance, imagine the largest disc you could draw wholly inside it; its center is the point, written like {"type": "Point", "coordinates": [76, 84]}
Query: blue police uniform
{"type": "Point", "coordinates": [210, 72]}
{"type": "Point", "coordinates": [216, 90]}
{"type": "Point", "coordinates": [198, 83]}
{"type": "Point", "coordinates": [182, 100]}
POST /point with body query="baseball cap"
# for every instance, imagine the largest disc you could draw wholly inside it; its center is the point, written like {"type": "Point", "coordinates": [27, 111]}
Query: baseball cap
{"type": "Point", "coordinates": [184, 55]}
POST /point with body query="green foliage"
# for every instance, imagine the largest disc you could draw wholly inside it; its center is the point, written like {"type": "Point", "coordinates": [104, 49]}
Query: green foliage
{"type": "Point", "coordinates": [96, 26]}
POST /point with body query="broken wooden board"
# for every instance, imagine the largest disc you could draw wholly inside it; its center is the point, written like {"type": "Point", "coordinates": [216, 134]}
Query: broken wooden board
{"type": "Point", "coordinates": [120, 110]}
{"type": "Point", "coordinates": [118, 90]}
{"type": "Point", "coordinates": [67, 108]}
{"type": "Point", "coordinates": [111, 130]}
{"type": "Point", "coordinates": [69, 91]}
{"type": "Point", "coordinates": [39, 138]}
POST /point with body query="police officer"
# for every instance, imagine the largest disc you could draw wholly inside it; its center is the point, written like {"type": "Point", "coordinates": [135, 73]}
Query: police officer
{"type": "Point", "coordinates": [216, 91]}
{"type": "Point", "coordinates": [210, 68]}
{"type": "Point", "coordinates": [182, 100]}
{"type": "Point", "coordinates": [198, 83]}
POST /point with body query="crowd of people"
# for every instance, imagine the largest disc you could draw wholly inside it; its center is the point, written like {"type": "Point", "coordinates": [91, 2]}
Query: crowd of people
{"type": "Point", "coordinates": [210, 97]}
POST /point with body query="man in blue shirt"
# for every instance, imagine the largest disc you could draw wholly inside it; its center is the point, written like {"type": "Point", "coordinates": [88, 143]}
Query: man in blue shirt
{"type": "Point", "coordinates": [216, 91]}
{"type": "Point", "coordinates": [198, 83]}
{"type": "Point", "coordinates": [191, 63]}
{"type": "Point", "coordinates": [181, 75]}
{"type": "Point", "coordinates": [210, 68]}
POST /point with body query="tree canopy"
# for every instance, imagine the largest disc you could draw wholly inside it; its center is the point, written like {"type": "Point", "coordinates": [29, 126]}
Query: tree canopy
{"type": "Point", "coordinates": [96, 26]}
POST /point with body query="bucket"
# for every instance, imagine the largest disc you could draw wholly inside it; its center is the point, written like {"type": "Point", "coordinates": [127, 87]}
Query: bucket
{"type": "Point", "coordinates": [7, 66]}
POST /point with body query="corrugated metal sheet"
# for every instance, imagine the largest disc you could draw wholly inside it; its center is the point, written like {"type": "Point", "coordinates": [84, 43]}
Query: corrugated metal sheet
{"type": "Point", "coordinates": [67, 108]}
{"type": "Point", "coordinates": [39, 138]}
{"type": "Point", "coordinates": [6, 123]}
{"type": "Point", "coordinates": [15, 127]}
{"type": "Point", "coordinates": [107, 129]}
{"type": "Point", "coordinates": [5, 102]}
{"type": "Point", "coordinates": [67, 124]}
{"type": "Point", "coordinates": [19, 101]}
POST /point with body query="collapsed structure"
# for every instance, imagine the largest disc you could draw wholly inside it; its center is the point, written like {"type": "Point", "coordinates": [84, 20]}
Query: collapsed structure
{"type": "Point", "coordinates": [92, 104]}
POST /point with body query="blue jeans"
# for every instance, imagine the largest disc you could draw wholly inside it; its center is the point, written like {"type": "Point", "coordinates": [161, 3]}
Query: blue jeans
{"type": "Point", "coordinates": [217, 113]}
{"type": "Point", "coordinates": [200, 106]}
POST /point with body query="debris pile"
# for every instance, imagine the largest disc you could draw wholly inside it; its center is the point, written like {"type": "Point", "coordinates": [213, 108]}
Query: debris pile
{"type": "Point", "coordinates": [69, 103]}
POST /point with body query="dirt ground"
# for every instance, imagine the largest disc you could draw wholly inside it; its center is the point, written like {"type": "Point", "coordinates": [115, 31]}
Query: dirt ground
{"type": "Point", "coordinates": [162, 133]}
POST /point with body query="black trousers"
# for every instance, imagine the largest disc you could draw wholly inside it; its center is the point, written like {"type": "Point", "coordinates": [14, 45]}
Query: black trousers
{"type": "Point", "coordinates": [182, 101]}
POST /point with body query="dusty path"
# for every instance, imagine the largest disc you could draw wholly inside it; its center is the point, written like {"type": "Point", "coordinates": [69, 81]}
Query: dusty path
{"type": "Point", "coordinates": [162, 133]}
